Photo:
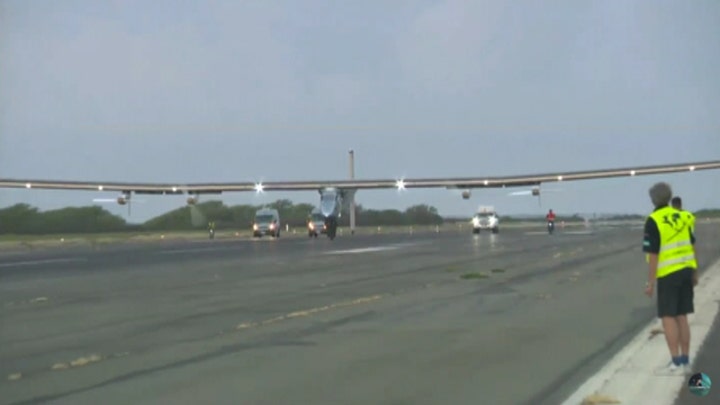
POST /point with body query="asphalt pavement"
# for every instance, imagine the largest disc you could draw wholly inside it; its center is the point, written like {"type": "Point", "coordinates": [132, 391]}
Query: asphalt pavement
{"type": "Point", "coordinates": [513, 318]}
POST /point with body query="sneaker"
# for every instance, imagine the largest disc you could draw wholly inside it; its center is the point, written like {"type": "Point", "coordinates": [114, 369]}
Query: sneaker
{"type": "Point", "coordinates": [671, 369]}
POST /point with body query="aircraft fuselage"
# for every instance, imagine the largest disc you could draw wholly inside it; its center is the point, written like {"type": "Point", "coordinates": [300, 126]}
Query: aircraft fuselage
{"type": "Point", "coordinates": [331, 203]}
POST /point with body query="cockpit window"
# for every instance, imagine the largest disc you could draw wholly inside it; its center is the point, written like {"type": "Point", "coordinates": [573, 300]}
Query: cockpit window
{"type": "Point", "coordinates": [317, 217]}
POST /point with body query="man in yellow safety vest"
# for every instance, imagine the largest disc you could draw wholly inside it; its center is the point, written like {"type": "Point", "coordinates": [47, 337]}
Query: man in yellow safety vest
{"type": "Point", "coordinates": [672, 264]}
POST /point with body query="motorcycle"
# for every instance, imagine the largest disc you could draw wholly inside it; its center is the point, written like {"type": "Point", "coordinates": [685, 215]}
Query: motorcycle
{"type": "Point", "coordinates": [211, 234]}
{"type": "Point", "coordinates": [551, 227]}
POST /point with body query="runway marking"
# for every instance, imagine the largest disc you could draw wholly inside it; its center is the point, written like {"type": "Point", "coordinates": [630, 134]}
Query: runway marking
{"type": "Point", "coordinates": [393, 246]}
{"type": "Point", "coordinates": [38, 262]}
{"type": "Point", "coordinates": [26, 302]}
{"type": "Point", "coordinates": [362, 250]}
{"type": "Point", "coordinates": [79, 362]}
{"type": "Point", "coordinates": [308, 312]}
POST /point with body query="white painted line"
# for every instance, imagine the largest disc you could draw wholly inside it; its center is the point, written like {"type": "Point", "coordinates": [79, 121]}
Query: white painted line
{"type": "Point", "coordinates": [39, 262]}
{"type": "Point", "coordinates": [361, 250]}
{"type": "Point", "coordinates": [410, 244]}
{"type": "Point", "coordinates": [629, 376]}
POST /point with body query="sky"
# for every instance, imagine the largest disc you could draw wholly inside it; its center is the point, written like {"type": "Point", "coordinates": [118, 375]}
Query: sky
{"type": "Point", "coordinates": [210, 91]}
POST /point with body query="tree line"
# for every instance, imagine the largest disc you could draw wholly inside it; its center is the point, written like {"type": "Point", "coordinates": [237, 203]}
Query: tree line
{"type": "Point", "coordinates": [26, 219]}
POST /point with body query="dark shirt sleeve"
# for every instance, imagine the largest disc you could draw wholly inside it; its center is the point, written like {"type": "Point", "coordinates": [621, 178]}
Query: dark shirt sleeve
{"type": "Point", "coordinates": [692, 236]}
{"type": "Point", "coordinates": [651, 241]}
{"type": "Point", "coordinates": [692, 231]}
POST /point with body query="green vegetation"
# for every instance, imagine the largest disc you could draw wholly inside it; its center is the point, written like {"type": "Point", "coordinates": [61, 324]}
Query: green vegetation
{"type": "Point", "coordinates": [23, 219]}
{"type": "Point", "coordinates": [538, 218]}
{"type": "Point", "coordinates": [708, 213]}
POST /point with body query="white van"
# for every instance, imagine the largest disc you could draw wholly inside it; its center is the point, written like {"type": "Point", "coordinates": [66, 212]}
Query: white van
{"type": "Point", "coordinates": [316, 223]}
{"type": "Point", "coordinates": [267, 222]}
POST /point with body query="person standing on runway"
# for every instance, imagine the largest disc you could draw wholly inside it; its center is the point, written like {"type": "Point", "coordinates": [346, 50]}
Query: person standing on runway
{"type": "Point", "coordinates": [672, 265]}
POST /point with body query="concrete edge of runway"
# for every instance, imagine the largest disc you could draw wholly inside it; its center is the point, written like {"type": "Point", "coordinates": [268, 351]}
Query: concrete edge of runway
{"type": "Point", "coordinates": [629, 376]}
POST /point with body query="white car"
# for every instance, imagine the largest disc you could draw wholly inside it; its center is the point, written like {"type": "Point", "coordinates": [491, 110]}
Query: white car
{"type": "Point", "coordinates": [486, 219]}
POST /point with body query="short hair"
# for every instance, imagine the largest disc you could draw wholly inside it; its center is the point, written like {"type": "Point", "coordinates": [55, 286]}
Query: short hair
{"type": "Point", "coordinates": [676, 202]}
{"type": "Point", "coordinates": [660, 194]}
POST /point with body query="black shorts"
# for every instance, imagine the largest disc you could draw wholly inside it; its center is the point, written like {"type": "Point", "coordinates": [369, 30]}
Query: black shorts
{"type": "Point", "coordinates": [675, 293]}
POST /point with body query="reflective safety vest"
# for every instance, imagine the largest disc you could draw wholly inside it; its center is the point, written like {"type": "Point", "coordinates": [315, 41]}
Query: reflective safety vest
{"type": "Point", "coordinates": [691, 219]}
{"type": "Point", "coordinates": [676, 249]}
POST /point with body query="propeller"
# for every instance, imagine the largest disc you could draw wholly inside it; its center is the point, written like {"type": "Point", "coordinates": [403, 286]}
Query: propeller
{"type": "Point", "coordinates": [534, 192]}
{"type": "Point", "coordinates": [123, 199]}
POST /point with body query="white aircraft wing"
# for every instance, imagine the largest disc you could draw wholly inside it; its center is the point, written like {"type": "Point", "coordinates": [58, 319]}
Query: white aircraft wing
{"type": "Point", "coordinates": [459, 183]}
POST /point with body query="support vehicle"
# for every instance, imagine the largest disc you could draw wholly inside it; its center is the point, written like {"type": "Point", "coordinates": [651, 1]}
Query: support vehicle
{"type": "Point", "coordinates": [486, 218]}
{"type": "Point", "coordinates": [316, 223]}
{"type": "Point", "coordinates": [267, 222]}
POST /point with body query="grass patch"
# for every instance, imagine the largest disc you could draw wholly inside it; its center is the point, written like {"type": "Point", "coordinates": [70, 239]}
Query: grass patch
{"type": "Point", "coordinates": [498, 270]}
{"type": "Point", "coordinates": [473, 276]}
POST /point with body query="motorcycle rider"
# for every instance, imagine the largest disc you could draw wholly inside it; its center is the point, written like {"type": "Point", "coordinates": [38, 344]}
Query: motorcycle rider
{"type": "Point", "coordinates": [550, 217]}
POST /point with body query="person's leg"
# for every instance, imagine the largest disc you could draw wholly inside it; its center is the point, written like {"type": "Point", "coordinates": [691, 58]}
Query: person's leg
{"type": "Point", "coordinates": [685, 307]}
{"type": "Point", "coordinates": [672, 337]}
{"type": "Point", "coordinates": [684, 336]}
{"type": "Point", "coordinates": [667, 301]}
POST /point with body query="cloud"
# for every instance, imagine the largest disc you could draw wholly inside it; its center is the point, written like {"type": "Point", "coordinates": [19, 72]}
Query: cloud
{"type": "Point", "coordinates": [219, 91]}
{"type": "Point", "coordinates": [449, 47]}
{"type": "Point", "coordinates": [110, 75]}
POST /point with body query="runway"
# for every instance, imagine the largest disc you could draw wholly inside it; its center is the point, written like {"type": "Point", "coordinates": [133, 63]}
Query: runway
{"type": "Point", "coordinates": [517, 317]}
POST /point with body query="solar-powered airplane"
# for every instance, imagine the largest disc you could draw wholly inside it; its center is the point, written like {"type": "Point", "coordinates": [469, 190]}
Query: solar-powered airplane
{"type": "Point", "coordinates": [335, 195]}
